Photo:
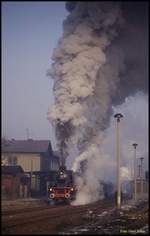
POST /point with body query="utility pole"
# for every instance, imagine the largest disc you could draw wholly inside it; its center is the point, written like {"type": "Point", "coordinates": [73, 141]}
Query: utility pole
{"type": "Point", "coordinates": [27, 132]}
{"type": "Point", "coordinates": [31, 173]}
{"type": "Point", "coordinates": [141, 158]}
{"type": "Point", "coordinates": [118, 116]}
{"type": "Point", "coordinates": [135, 191]}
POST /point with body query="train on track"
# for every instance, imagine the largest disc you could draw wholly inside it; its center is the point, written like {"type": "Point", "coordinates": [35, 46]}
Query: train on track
{"type": "Point", "coordinates": [61, 187]}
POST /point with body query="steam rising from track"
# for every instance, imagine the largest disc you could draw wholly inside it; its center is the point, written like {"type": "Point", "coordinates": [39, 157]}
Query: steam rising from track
{"type": "Point", "coordinates": [91, 72]}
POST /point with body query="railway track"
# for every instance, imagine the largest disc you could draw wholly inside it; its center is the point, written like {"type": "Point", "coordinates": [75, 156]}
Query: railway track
{"type": "Point", "coordinates": [53, 219]}
{"type": "Point", "coordinates": [48, 219]}
{"type": "Point", "coordinates": [23, 210]}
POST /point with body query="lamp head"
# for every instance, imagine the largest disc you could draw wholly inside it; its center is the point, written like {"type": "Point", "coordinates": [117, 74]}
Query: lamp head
{"type": "Point", "coordinates": [135, 145]}
{"type": "Point", "coordinates": [118, 116]}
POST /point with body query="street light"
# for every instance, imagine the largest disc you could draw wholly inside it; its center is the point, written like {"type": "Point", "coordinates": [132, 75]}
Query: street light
{"type": "Point", "coordinates": [134, 145]}
{"type": "Point", "coordinates": [118, 116]}
{"type": "Point", "coordinates": [141, 158]}
{"type": "Point", "coordinates": [139, 174]}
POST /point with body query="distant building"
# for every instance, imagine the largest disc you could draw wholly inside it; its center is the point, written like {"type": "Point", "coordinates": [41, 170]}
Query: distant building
{"type": "Point", "coordinates": [34, 156]}
{"type": "Point", "coordinates": [31, 155]}
{"type": "Point", "coordinates": [11, 182]}
{"type": "Point", "coordinates": [141, 185]}
{"type": "Point", "coordinates": [147, 175]}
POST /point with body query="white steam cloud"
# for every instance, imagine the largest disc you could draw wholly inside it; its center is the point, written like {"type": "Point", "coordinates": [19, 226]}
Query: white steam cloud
{"type": "Point", "coordinates": [90, 73]}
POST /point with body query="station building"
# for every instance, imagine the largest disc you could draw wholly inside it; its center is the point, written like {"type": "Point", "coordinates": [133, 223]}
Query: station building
{"type": "Point", "coordinates": [35, 157]}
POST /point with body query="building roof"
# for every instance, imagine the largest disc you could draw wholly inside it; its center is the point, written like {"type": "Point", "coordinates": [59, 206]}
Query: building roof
{"type": "Point", "coordinates": [11, 169]}
{"type": "Point", "coordinates": [56, 153]}
{"type": "Point", "coordinates": [26, 146]}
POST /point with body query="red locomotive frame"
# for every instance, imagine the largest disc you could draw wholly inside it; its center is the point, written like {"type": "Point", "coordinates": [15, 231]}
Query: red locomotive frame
{"type": "Point", "coordinates": [62, 188]}
{"type": "Point", "coordinates": [64, 193]}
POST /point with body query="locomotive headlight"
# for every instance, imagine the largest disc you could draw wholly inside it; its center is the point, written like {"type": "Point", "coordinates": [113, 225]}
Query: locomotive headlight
{"type": "Point", "coordinates": [72, 189]}
{"type": "Point", "coordinates": [50, 189]}
{"type": "Point", "coordinates": [67, 195]}
{"type": "Point", "coordinates": [52, 195]}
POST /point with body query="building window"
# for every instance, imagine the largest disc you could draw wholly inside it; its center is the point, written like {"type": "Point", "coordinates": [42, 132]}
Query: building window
{"type": "Point", "coordinates": [12, 160]}
{"type": "Point", "coordinates": [9, 160]}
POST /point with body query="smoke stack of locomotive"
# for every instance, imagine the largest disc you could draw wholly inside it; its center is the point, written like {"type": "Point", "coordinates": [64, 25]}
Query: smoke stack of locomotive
{"type": "Point", "coordinates": [98, 62]}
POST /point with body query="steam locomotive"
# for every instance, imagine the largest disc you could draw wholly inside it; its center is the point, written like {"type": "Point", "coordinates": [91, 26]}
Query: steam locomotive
{"type": "Point", "coordinates": [61, 187]}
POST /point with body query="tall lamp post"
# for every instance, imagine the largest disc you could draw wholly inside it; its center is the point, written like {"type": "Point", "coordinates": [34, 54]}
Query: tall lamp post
{"type": "Point", "coordinates": [141, 158]}
{"type": "Point", "coordinates": [118, 116]}
{"type": "Point", "coordinates": [135, 145]}
{"type": "Point", "coordinates": [139, 174]}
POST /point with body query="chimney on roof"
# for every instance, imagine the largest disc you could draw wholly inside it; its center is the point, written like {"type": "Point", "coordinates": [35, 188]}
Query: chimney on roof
{"type": "Point", "coordinates": [27, 133]}
{"type": "Point", "coordinates": [30, 139]}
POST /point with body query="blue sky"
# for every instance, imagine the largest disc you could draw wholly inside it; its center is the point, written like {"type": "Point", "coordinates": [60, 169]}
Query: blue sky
{"type": "Point", "coordinates": [30, 31]}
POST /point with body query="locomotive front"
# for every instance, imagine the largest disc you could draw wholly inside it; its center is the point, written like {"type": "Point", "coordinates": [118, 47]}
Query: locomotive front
{"type": "Point", "coordinates": [62, 189]}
